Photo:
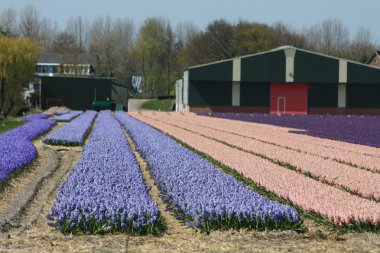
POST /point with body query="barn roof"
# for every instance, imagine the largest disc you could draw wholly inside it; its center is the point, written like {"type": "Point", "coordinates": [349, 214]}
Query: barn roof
{"type": "Point", "coordinates": [273, 66]}
{"type": "Point", "coordinates": [283, 48]}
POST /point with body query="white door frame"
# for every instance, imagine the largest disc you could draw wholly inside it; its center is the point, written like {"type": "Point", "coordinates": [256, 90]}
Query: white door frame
{"type": "Point", "coordinates": [278, 104]}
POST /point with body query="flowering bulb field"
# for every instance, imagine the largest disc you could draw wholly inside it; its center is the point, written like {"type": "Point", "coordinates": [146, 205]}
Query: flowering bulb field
{"type": "Point", "coordinates": [73, 133]}
{"type": "Point", "coordinates": [105, 191]}
{"type": "Point", "coordinates": [201, 194]}
{"type": "Point", "coordinates": [354, 129]}
{"type": "Point", "coordinates": [35, 117]}
{"type": "Point", "coordinates": [66, 117]}
{"type": "Point", "coordinates": [361, 182]}
{"type": "Point", "coordinates": [16, 147]}
{"type": "Point", "coordinates": [328, 200]}
{"type": "Point", "coordinates": [358, 155]}
{"type": "Point", "coordinates": [177, 174]}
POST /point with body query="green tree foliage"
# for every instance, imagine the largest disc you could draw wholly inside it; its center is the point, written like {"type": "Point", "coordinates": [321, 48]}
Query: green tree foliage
{"type": "Point", "coordinates": [252, 38]}
{"type": "Point", "coordinates": [156, 50]}
{"type": "Point", "coordinates": [17, 59]}
{"type": "Point", "coordinates": [150, 51]}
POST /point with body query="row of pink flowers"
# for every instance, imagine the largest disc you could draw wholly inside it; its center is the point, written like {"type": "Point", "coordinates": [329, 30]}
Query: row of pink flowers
{"type": "Point", "coordinates": [364, 183]}
{"type": "Point", "coordinates": [361, 156]}
{"type": "Point", "coordinates": [311, 195]}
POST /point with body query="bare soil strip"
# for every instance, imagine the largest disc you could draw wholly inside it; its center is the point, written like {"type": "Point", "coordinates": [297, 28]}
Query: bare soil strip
{"type": "Point", "coordinates": [12, 216]}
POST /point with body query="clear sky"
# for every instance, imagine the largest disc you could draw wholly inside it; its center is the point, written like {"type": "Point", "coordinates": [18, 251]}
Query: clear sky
{"type": "Point", "coordinates": [298, 14]}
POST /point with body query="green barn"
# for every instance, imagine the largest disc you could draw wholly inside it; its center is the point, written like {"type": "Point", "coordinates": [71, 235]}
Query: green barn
{"type": "Point", "coordinates": [284, 80]}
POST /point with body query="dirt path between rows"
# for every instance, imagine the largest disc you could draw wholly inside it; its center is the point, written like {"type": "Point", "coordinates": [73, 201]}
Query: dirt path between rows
{"type": "Point", "coordinates": [25, 203]}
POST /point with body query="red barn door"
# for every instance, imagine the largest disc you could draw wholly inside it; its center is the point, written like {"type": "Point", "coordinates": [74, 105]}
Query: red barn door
{"type": "Point", "coordinates": [288, 98]}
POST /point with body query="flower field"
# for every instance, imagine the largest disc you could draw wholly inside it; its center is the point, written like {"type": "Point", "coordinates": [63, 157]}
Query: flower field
{"type": "Point", "coordinates": [358, 155]}
{"type": "Point", "coordinates": [35, 117]}
{"type": "Point", "coordinates": [66, 117]}
{"type": "Point", "coordinates": [16, 147]}
{"type": "Point", "coordinates": [353, 129]}
{"type": "Point", "coordinates": [73, 133]}
{"type": "Point", "coordinates": [105, 191]}
{"type": "Point", "coordinates": [361, 182]}
{"type": "Point", "coordinates": [185, 179]}
{"type": "Point", "coordinates": [190, 158]}
{"type": "Point", "coordinates": [331, 201]}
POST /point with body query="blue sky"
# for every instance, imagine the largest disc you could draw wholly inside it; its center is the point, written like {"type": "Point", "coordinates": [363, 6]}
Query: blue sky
{"type": "Point", "coordinates": [298, 14]}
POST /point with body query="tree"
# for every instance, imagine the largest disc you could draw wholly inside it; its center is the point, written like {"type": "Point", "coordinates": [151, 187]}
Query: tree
{"type": "Point", "coordinates": [102, 42]}
{"type": "Point", "coordinates": [78, 28]}
{"type": "Point", "coordinates": [48, 34]}
{"type": "Point", "coordinates": [213, 44]}
{"type": "Point", "coordinates": [17, 62]}
{"type": "Point", "coordinates": [30, 23]}
{"type": "Point", "coordinates": [122, 31]}
{"type": "Point", "coordinates": [329, 37]}
{"type": "Point", "coordinates": [64, 44]}
{"type": "Point", "coordinates": [185, 32]}
{"type": "Point", "coordinates": [251, 38]}
{"type": "Point", "coordinates": [283, 35]}
{"type": "Point", "coordinates": [218, 40]}
{"type": "Point", "coordinates": [169, 53]}
{"type": "Point", "coordinates": [149, 51]}
{"type": "Point", "coordinates": [362, 46]}
{"type": "Point", "coordinates": [8, 22]}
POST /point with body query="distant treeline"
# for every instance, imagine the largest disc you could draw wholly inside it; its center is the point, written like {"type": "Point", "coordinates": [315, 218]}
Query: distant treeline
{"type": "Point", "coordinates": [159, 53]}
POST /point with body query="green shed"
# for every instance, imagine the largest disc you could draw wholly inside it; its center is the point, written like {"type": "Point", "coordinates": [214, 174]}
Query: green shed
{"type": "Point", "coordinates": [79, 93]}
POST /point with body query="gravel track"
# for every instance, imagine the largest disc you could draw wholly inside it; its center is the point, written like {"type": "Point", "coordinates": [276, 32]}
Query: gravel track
{"type": "Point", "coordinates": [29, 197]}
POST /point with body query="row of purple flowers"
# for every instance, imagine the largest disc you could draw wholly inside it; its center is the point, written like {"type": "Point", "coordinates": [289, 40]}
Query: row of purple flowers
{"type": "Point", "coordinates": [105, 191]}
{"type": "Point", "coordinates": [66, 117]}
{"type": "Point", "coordinates": [35, 116]}
{"type": "Point", "coordinates": [201, 194]}
{"type": "Point", "coordinates": [74, 133]}
{"type": "Point", "coordinates": [16, 147]}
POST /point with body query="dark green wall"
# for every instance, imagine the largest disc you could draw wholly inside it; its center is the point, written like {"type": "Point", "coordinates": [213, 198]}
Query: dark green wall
{"type": "Point", "coordinates": [254, 94]}
{"type": "Point", "coordinates": [210, 93]}
{"type": "Point", "coordinates": [322, 95]}
{"type": "Point", "coordinates": [267, 67]}
{"type": "Point", "coordinates": [363, 95]}
{"type": "Point", "coordinates": [119, 94]}
{"type": "Point", "coordinates": [357, 73]}
{"type": "Point", "coordinates": [76, 93]}
{"type": "Point", "coordinates": [221, 71]}
{"type": "Point", "coordinates": [313, 68]}
{"type": "Point", "coordinates": [363, 86]}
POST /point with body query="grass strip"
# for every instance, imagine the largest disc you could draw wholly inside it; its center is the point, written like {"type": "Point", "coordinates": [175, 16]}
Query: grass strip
{"type": "Point", "coordinates": [8, 124]}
